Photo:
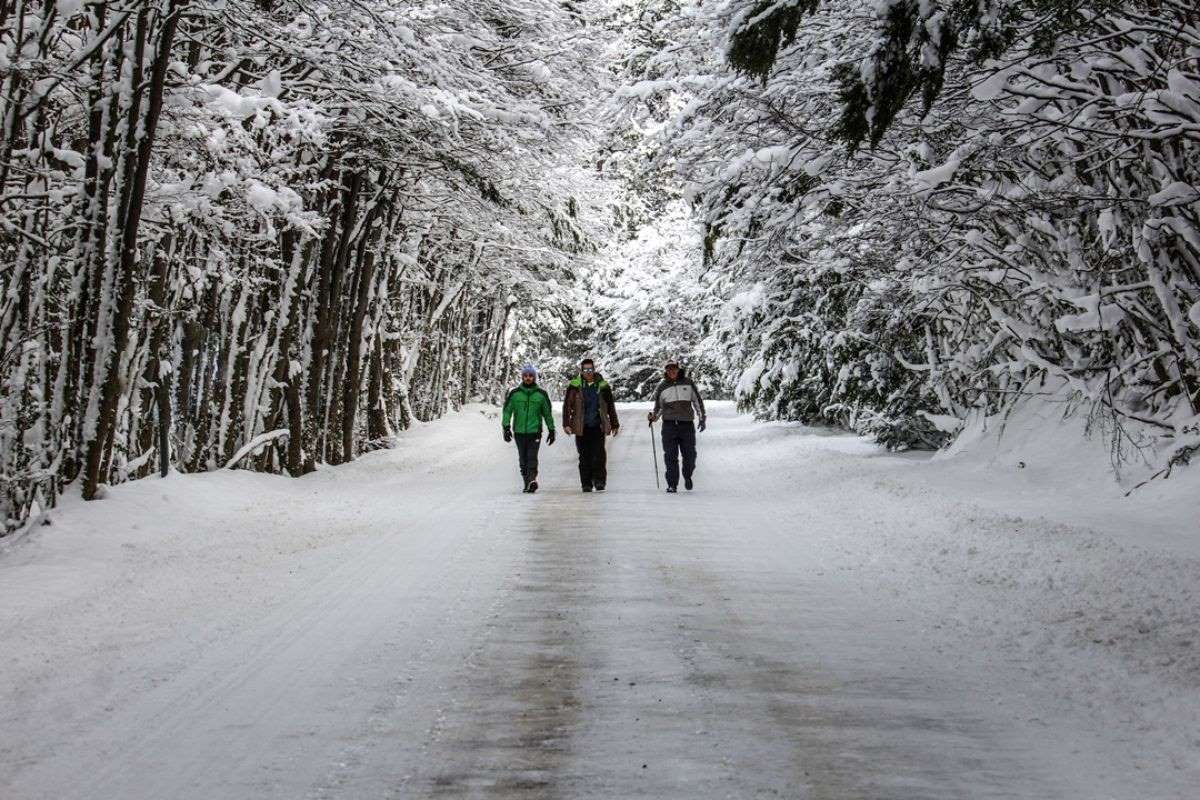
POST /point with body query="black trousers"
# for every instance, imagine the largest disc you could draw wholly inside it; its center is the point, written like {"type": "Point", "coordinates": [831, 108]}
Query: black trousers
{"type": "Point", "coordinates": [593, 461]}
{"type": "Point", "coordinates": [527, 454]}
{"type": "Point", "coordinates": [678, 437]}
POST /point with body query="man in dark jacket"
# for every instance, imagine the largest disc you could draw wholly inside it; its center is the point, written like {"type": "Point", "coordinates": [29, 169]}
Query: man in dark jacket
{"type": "Point", "coordinates": [678, 403]}
{"type": "Point", "coordinates": [590, 413]}
{"type": "Point", "coordinates": [525, 408]}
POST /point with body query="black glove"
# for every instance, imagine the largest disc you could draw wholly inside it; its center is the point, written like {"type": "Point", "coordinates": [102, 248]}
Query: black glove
{"type": "Point", "coordinates": [549, 438]}
{"type": "Point", "coordinates": [615, 430]}
{"type": "Point", "coordinates": [702, 423]}
{"type": "Point", "coordinates": [650, 417]}
{"type": "Point", "coordinates": [507, 433]}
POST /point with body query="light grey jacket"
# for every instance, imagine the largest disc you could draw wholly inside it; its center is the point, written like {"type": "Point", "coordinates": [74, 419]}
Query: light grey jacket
{"type": "Point", "coordinates": [678, 400]}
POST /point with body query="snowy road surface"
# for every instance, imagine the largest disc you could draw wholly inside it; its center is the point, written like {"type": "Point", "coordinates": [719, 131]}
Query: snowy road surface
{"type": "Point", "coordinates": [817, 620]}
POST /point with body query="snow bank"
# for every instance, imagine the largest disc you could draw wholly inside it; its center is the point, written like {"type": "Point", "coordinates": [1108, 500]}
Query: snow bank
{"type": "Point", "coordinates": [1050, 457]}
{"type": "Point", "coordinates": [1027, 562]}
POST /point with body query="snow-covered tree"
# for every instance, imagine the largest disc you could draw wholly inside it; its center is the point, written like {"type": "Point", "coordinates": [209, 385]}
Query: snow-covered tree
{"type": "Point", "coordinates": [928, 210]}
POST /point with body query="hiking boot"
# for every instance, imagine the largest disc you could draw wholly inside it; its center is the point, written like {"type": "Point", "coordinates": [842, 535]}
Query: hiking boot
{"type": "Point", "coordinates": [587, 488]}
{"type": "Point", "coordinates": [687, 484]}
{"type": "Point", "coordinates": [599, 487]}
{"type": "Point", "coordinates": [532, 487]}
{"type": "Point", "coordinates": [671, 490]}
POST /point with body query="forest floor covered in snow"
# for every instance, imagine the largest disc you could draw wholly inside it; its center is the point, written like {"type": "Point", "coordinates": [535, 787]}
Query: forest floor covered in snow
{"type": "Point", "coordinates": [818, 619]}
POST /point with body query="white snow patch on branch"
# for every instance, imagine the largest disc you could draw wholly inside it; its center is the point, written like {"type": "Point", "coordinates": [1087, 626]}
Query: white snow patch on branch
{"type": "Point", "coordinates": [255, 444]}
{"type": "Point", "coordinates": [1174, 194]}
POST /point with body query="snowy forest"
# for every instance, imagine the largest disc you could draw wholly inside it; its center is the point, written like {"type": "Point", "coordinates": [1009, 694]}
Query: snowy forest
{"type": "Point", "coordinates": [270, 234]}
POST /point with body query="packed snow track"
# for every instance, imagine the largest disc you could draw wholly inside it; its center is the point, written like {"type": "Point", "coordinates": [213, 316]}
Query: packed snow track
{"type": "Point", "coordinates": [808, 623]}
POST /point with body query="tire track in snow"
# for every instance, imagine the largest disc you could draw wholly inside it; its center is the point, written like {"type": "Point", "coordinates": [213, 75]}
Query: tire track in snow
{"type": "Point", "coordinates": [509, 730]}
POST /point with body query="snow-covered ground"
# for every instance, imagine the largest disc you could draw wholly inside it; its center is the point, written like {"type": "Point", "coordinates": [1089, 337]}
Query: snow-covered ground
{"type": "Point", "coordinates": [819, 619]}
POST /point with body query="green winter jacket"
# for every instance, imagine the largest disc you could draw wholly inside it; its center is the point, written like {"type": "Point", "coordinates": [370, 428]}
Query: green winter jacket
{"type": "Point", "coordinates": [526, 407]}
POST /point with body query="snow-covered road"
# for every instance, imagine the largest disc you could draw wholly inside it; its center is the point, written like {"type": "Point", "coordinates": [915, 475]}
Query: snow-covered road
{"type": "Point", "coordinates": [817, 620]}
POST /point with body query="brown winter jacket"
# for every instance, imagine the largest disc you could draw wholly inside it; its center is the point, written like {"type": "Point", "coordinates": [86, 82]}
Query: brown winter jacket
{"type": "Point", "coordinates": [572, 413]}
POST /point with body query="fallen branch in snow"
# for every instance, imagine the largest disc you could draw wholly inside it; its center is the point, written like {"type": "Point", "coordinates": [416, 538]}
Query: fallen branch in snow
{"type": "Point", "coordinates": [134, 464]}
{"type": "Point", "coordinates": [1181, 457]}
{"type": "Point", "coordinates": [256, 444]}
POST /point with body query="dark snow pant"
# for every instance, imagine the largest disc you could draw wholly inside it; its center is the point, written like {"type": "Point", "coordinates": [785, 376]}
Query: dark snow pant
{"type": "Point", "coordinates": [527, 453]}
{"type": "Point", "coordinates": [593, 461]}
{"type": "Point", "coordinates": [678, 437]}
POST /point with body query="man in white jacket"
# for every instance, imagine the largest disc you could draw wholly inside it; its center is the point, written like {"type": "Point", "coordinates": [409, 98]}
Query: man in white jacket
{"type": "Point", "coordinates": [677, 401]}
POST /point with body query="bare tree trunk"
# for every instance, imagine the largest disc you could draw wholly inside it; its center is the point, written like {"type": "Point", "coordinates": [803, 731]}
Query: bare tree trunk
{"type": "Point", "coordinates": [131, 206]}
{"type": "Point", "coordinates": [157, 375]}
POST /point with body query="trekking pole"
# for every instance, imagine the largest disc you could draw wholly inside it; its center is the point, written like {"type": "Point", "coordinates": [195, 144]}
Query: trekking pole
{"type": "Point", "coordinates": [654, 449]}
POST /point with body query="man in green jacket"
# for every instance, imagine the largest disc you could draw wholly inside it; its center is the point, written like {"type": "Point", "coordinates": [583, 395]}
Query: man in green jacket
{"type": "Point", "coordinates": [524, 410]}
